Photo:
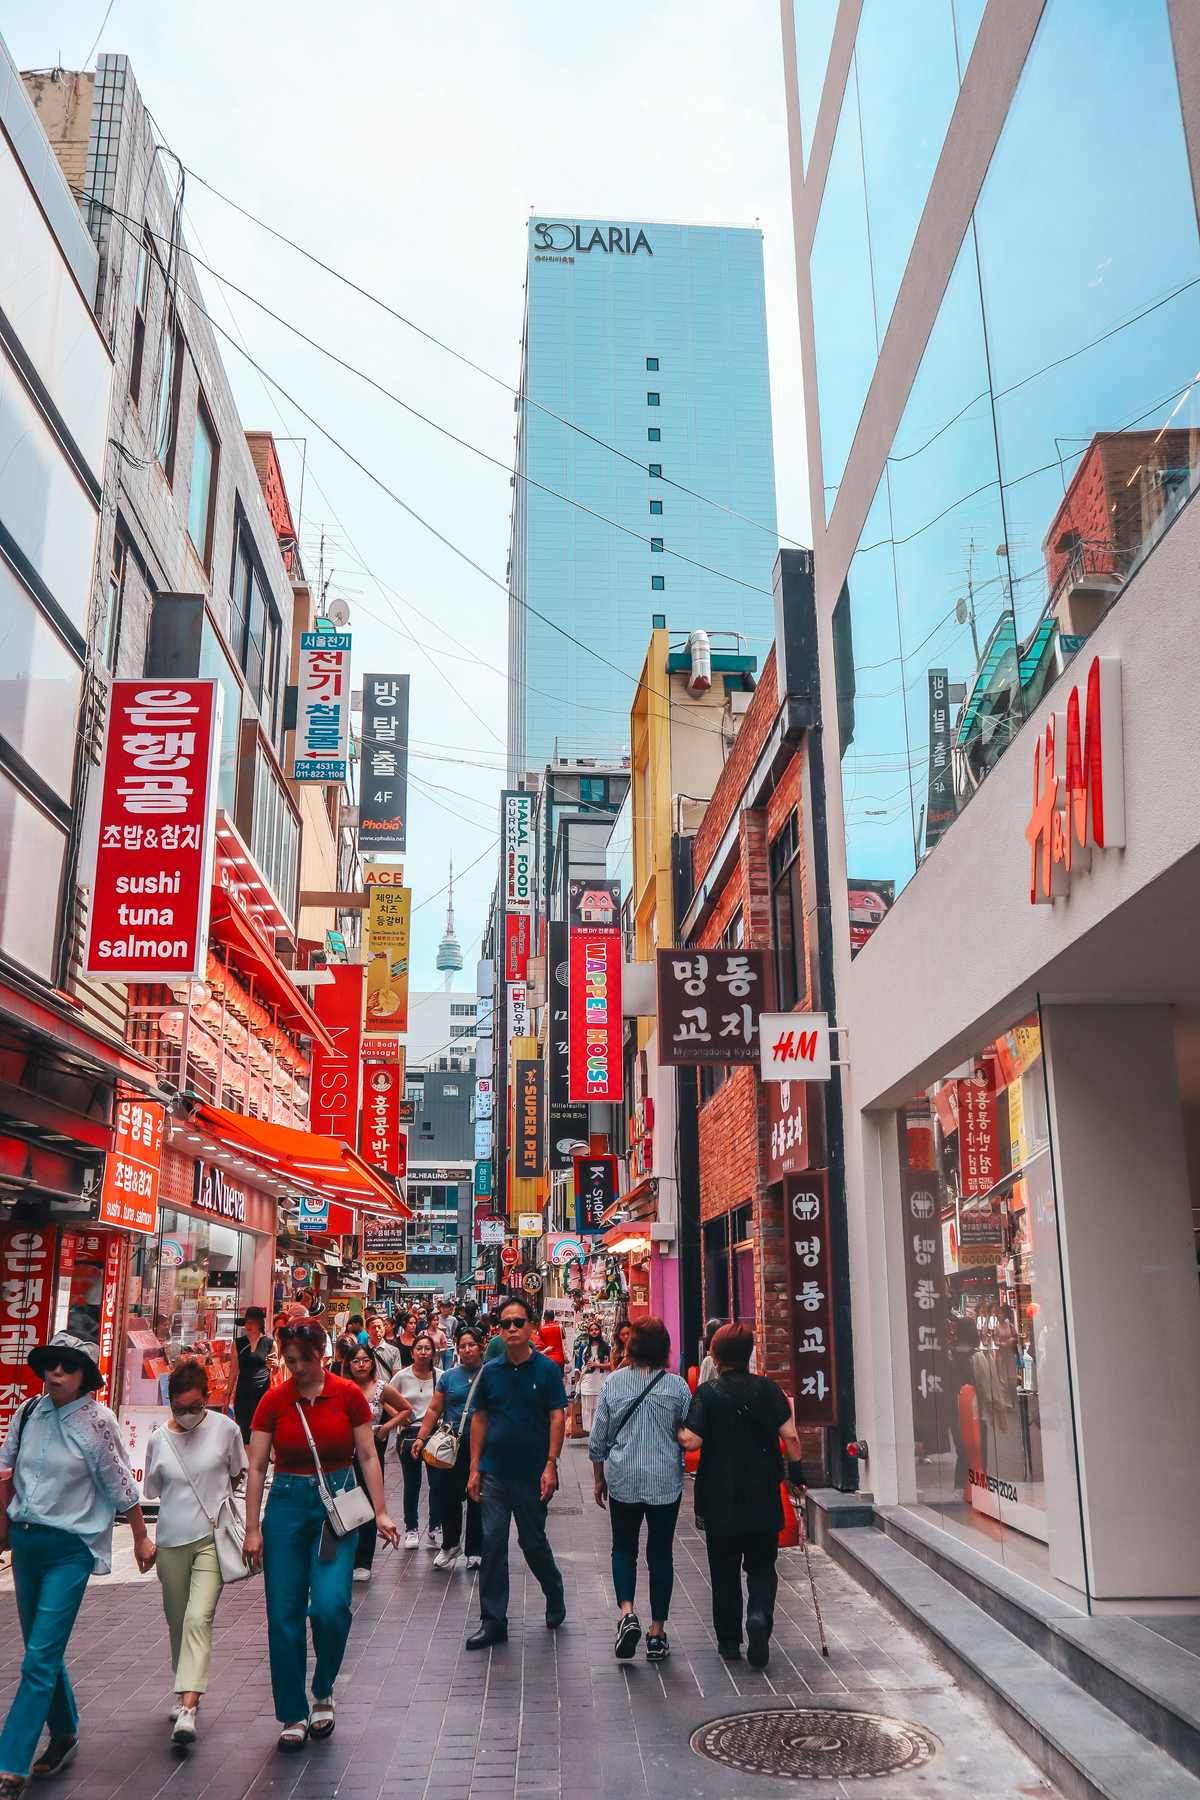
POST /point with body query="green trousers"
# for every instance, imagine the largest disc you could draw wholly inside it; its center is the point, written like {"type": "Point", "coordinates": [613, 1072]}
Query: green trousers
{"type": "Point", "coordinates": [191, 1586]}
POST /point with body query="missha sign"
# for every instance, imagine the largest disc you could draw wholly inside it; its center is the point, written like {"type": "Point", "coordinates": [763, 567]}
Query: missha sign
{"type": "Point", "coordinates": [610, 240]}
{"type": "Point", "coordinates": [1078, 782]}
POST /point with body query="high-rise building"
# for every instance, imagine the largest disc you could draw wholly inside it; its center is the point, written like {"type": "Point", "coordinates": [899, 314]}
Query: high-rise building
{"type": "Point", "coordinates": [646, 403]}
{"type": "Point", "coordinates": [999, 262]}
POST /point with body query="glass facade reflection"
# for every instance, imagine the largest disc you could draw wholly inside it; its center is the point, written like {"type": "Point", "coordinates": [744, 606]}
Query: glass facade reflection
{"type": "Point", "coordinates": [814, 21]}
{"type": "Point", "coordinates": [1051, 432]}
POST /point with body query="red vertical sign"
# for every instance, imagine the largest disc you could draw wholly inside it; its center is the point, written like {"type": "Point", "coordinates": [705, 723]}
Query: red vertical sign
{"type": "Point", "coordinates": [129, 1196]}
{"type": "Point", "coordinates": [26, 1298]}
{"type": "Point", "coordinates": [594, 1070]}
{"type": "Point", "coordinates": [380, 1140]}
{"type": "Point", "coordinates": [110, 1294]}
{"type": "Point", "coordinates": [333, 1095]}
{"type": "Point", "coordinates": [153, 876]}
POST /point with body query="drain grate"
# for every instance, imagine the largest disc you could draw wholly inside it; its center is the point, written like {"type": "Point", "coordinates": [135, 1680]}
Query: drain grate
{"type": "Point", "coordinates": [815, 1744]}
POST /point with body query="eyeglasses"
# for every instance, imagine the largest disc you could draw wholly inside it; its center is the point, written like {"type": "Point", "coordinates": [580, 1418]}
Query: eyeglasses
{"type": "Point", "coordinates": [513, 1324]}
{"type": "Point", "coordinates": [188, 1412]}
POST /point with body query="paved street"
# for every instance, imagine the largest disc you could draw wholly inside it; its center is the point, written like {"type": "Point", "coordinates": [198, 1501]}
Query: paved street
{"type": "Point", "coordinates": [550, 1717]}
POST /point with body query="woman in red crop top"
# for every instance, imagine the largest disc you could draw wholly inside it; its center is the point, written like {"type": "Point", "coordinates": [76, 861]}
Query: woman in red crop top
{"type": "Point", "coordinates": [308, 1570]}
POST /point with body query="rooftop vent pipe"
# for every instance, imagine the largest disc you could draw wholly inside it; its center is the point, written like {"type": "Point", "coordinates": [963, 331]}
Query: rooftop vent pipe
{"type": "Point", "coordinates": [700, 653]}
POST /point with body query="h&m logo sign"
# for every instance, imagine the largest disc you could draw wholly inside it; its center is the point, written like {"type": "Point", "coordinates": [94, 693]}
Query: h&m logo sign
{"type": "Point", "coordinates": [613, 240]}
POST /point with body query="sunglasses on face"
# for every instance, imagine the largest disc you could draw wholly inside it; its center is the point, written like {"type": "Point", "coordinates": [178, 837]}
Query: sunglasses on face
{"type": "Point", "coordinates": [63, 1366]}
{"type": "Point", "coordinates": [513, 1324]}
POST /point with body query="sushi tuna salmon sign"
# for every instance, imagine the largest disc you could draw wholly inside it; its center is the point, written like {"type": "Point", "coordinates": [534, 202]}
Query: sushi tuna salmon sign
{"type": "Point", "coordinates": [1078, 800]}
{"type": "Point", "coordinates": [153, 872]}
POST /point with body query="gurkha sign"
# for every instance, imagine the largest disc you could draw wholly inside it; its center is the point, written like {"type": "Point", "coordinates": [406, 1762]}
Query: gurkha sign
{"type": "Point", "coordinates": [709, 1006]}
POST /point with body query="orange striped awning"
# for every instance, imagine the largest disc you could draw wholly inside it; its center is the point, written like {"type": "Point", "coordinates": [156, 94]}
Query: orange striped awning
{"type": "Point", "coordinates": [316, 1165]}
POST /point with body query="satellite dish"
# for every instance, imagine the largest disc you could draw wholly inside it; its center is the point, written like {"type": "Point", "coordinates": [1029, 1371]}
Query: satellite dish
{"type": "Point", "coordinates": [961, 611]}
{"type": "Point", "coordinates": [338, 613]}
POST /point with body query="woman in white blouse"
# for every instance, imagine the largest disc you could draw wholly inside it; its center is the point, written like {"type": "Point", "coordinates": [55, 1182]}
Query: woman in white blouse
{"type": "Point", "coordinates": [67, 1472]}
{"type": "Point", "coordinates": [191, 1464]}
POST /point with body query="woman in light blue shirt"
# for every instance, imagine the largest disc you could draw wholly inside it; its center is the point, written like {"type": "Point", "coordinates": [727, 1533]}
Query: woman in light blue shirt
{"type": "Point", "coordinates": [637, 1466]}
{"type": "Point", "coordinates": [69, 1475]}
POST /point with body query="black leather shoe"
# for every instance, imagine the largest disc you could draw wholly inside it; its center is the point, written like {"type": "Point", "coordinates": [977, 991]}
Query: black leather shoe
{"type": "Point", "coordinates": [486, 1636]}
{"type": "Point", "coordinates": [556, 1612]}
{"type": "Point", "coordinates": [731, 1652]}
{"type": "Point", "coordinates": [758, 1641]}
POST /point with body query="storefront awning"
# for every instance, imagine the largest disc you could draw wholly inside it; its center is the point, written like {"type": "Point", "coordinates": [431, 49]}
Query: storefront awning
{"type": "Point", "coordinates": [230, 926]}
{"type": "Point", "coordinates": [315, 1165]}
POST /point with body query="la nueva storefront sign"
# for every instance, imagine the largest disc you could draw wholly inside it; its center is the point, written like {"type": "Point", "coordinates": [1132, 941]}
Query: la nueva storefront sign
{"type": "Point", "coordinates": [1078, 783]}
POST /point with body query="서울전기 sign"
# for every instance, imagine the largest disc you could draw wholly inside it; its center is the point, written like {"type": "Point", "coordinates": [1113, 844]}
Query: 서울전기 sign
{"type": "Point", "coordinates": [709, 1005]}
{"type": "Point", "coordinates": [383, 783]}
{"type": "Point", "coordinates": [516, 842]}
{"type": "Point", "coordinates": [129, 1194]}
{"type": "Point", "coordinates": [323, 708]}
{"type": "Point", "coordinates": [152, 879]}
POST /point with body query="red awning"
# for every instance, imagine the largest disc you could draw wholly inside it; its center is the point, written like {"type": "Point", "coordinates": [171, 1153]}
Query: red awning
{"type": "Point", "coordinates": [230, 926]}
{"type": "Point", "coordinates": [316, 1165]}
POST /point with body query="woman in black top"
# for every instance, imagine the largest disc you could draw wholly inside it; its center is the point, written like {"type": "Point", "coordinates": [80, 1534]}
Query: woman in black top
{"type": "Point", "coordinates": [736, 1423]}
{"type": "Point", "coordinates": [250, 1376]}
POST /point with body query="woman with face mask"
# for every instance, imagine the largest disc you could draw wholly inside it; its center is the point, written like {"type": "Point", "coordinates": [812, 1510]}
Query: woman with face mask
{"type": "Point", "coordinates": [191, 1464]}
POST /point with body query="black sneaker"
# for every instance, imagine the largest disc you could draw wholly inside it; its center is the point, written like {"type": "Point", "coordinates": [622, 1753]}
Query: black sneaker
{"type": "Point", "coordinates": [657, 1647]}
{"type": "Point", "coordinates": [729, 1650]}
{"type": "Point", "coordinates": [629, 1636]}
{"type": "Point", "coordinates": [758, 1640]}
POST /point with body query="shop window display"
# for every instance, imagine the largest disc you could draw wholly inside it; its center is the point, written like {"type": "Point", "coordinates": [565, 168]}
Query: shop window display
{"type": "Point", "coordinates": [992, 1455]}
{"type": "Point", "coordinates": [188, 1287]}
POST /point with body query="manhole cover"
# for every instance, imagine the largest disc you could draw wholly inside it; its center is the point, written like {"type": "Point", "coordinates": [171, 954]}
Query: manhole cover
{"type": "Point", "coordinates": [815, 1744]}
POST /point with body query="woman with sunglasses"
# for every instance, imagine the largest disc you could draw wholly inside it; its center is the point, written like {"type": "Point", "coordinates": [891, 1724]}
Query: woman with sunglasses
{"type": "Point", "coordinates": [192, 1463]}
{"type": "Point", "coordinates": [68, 1475]}
{"type": "Point", "coordinates": [360, 1364]}
{"type": "Point", "coordinates": [308, 1567]}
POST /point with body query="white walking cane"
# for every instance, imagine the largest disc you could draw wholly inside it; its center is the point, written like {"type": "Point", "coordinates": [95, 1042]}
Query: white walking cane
{"type": "Point", "coordinates": [801, 1521]}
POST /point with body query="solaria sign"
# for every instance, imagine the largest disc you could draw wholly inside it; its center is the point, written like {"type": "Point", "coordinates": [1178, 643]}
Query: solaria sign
{"type": "Point", "coordinates": [609, 240]}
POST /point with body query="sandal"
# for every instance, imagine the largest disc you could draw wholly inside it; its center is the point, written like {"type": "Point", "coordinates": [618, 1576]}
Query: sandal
{"type": "Point", "coordinates": [59, 1753]}
{"type": "Point", "coordinates": [321, 1720]}
{"type": "Point", "coordinates": [290, 1738]}
{"type": "Point", "coordinates": [11, 1787]}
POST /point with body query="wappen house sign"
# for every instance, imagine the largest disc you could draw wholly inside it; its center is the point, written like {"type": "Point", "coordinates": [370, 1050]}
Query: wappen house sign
{"type": "Point", "coordinates": [613, 240]}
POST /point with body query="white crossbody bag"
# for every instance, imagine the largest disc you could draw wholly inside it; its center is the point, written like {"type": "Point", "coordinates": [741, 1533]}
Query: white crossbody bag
{"type": "Point", "coordinates": [228, 1525]}
{"type": "Point", "coordinates": [443, 1443]}
{"type": "Point", "coordinates": [346, 1510]}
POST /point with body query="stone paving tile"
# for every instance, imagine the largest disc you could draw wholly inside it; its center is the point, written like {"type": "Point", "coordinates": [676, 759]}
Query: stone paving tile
{"type": "Point", "coordinates": [550, 1717]}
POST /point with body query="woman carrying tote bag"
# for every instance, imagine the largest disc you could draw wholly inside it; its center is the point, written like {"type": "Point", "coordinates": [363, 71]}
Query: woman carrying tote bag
{"type": "Point", "coordinates": [316, 1423]}
{"type": "Point", "coordinates": [192, 1463]}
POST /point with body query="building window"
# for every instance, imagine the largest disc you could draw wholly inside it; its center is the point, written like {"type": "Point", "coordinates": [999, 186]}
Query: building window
{"type": "Point", "coordinates": [652, 364]}
{"type": "Point", "coordinates": [116, 595]}
{"type": "Point", "coordinates": [787, 915]}
{"type": "Point", "coordinates": [652, 398]}
{"type": "Point", "coordinates": [594, 789]}
{"type": "Point", "coordinates": [734, 935]}
{"type": "Point", "coordinates": [141, 293]}
{"type": "Point", "coordinates": [654, 435]}
{"type": "Point", "coordinates": [655, 471]}
{"type": "Point", "coordinates": [254, 629]}
{"type": "Point", "coordinates": [656, 543]}
{"type": "Point", "coordinates": [657, 583]}
{"type": "Point", "coordinates": [655, 507]}
{"type": "Point", "coordinates": [712, 1077]}
{"type": "Point", "coordinates": [203, 491]}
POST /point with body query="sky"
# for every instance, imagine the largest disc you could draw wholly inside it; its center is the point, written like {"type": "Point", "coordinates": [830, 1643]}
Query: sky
{"type": "Point", "coordinates": [407, 146]}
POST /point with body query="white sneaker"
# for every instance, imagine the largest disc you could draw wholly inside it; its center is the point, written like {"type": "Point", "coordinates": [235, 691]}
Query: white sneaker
{"type": "Point", "coordinates": [185, 1726]}
{"type": "Point", "coordinates": [362, 1575]}
{"type": "Point", "coordinates": [473, 1562]}
{"type": "Point", "coordinates": [176, 1709]}
{"type": "Point", "coordinates": [446, 1559]}
{"type": "Point", "coordinates": [433, 1537]}
{"type": "Point", "coordinates": [412, 1540]}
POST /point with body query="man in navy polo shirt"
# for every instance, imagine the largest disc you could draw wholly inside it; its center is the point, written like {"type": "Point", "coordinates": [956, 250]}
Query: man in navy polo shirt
{"type": "Point", "coordinates": [516, 1439]}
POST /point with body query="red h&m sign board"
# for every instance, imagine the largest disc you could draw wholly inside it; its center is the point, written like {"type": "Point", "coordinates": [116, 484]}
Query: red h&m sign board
{"type": "Point", "coordinates": [153, 874]}
{"type": "Point", "coordinates": [333, 1094]}
{"type": "Point", "coordinates": [594, 1070]}
{"type": "Point", "coordinates": [381, 1140]}
{"type": "Point", "coordinates": [26, 1298]}
{"type": "Point", "coordinates": [129, 1197]}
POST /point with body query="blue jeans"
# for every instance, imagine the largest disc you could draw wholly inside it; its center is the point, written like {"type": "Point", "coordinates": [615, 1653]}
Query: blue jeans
{"type": "Point", "coordinates": [50, 1572]}
{"type": "Point", "coordinates": [301, 1587]}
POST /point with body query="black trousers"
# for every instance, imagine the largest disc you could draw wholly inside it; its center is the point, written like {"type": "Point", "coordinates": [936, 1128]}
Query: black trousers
{"type": "Point", "coordinates": [626, 1518]}
{"type": "Point", "coordinates": [368, 1534]}
{"type": "Point", "coordinates": [448, 1490]}
{"type": "Point", "coordinates": [412, 1468]}
{"type": "Point", "coordinates": [503, 1501]}
{"type": "Point", "coordinates": [727, 1556]}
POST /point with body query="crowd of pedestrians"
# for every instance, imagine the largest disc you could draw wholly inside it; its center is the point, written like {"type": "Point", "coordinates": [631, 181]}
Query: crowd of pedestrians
{"type": "Point", "coordinates": [479, 1405]}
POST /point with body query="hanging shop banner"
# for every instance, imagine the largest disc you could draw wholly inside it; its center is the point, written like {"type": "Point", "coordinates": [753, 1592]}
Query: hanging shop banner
{"type": "Point", "coordinates": [129, 1194]}
{"type": "Point", "coordinates": [568, 1118]}
{"type": "Point", "coordinates": [530, 1117]}
{"type": "Point", "coordinates": [152, 880]}
{"type": "Point", "coordinates": [595, 1190]}
{"type": "Point", "coordinates": [940, 807]}
{"type": "Point", "coordinates": [384, 1237]}
{"type": "Point", "coordinates": [406, 1112]}
{"type": "Point", "coordinates": [323, 708]}
{"type": "Point", "coordinates": [385, 1047]}
{"type": "Point", "coordinates": [314, 1214]}
{"type": "Point", "coordinates": [933, 1409]}
{"type": "Point", "coordinates": [389, 920]}
{"type": "Point", "coordinates": [26, 1301]}
{"type": "Point", "coordinates": [516, 840]}
{"type": "Point", "coordinates": [386, 1265]}
{"type": "Point", "coordinates": [563, 1248]}
{"type": "Point", "coordinates": [981, 1228]}
{"type": "Point", "coordinates": [483, 1139]}
{"type": "Point", "coordinates": [806, 1222]}
{"type": "Point", "coordinates": [518, 1011]}
{"type": "Point", "coordinates": [709, 1006]}
{"type": "Point", "coordinates": [491, 1231]}
{"type": "Point", "coordinates": [381, 1140]}
{"type": "Point", "coordinates": [529, 1225]}
{"type": "Point", "coordinates": [383, 777]}
{"type": "Point", "coordinates": [794, 1047]}
{"type": "Point", "coordinates": [333, 1093]}
{"type": "Point", "coordinates": [595, 1071]}
{"type": "Point", "coordinates": [789, 1147]}
{"type": "Point", "coordinates": [111, 1249]}
{"type": "Point", "coordinates": [517, 927]}
{"type": "Point", "coordinates": [485, 1094]}
{"type": "Point", "coordinates": [483, 1178]}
